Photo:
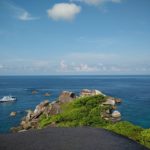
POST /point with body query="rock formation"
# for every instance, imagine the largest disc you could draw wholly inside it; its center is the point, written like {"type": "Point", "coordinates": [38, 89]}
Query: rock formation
{"type": "Point", "coordinates": [116, 114]}
{"type": "Point", "coordinates": [47, 94]}
{"type": "Point", "coordinates": [34, 92]}
{"type": "Point", "coordinates": [30, 121]}
{"type": "Point", "coordinates": [87, 92]}
{"type": "Point", "coordinates": [13, 114]}
{"type": "Point", "coordinates": [66, 96]}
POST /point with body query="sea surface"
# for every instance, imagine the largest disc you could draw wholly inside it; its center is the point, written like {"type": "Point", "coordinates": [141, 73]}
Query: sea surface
{"type": "Point", "coordinates": [133, 90]}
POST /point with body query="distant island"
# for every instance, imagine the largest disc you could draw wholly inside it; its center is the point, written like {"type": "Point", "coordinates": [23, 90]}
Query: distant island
{"type": "Point", "coordinates": [91, 108]}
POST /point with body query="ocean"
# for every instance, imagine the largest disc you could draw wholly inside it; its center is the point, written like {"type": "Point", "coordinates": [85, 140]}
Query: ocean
{"type": "Point", "coordinates": [133, 90]}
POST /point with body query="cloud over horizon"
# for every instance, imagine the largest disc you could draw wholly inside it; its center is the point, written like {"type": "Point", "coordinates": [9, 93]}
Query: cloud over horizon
{"type": "Point", "coordinates": [63, 11]}
{"type": "Point", "coordinates": [68, 67]}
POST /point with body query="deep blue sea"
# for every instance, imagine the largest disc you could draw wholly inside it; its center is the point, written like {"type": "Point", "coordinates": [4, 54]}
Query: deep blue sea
{"type": "Point", "coordinates": [134, 90]}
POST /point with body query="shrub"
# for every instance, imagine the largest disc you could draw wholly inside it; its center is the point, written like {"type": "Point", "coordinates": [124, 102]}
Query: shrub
{"type": "Point", "coordinates": [44, 121]}
{"type": "Point", "coordinates": [145, 137]}
{"type": "Point", "coordinates": [127, 129]}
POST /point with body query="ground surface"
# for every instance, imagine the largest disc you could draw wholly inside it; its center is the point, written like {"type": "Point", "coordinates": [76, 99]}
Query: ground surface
{"type": "Point", "coordinates": [67, 139]}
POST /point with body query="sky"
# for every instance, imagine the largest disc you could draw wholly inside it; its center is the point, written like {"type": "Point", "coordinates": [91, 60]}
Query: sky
{"type": "Point", "coordinates": [75, 37]}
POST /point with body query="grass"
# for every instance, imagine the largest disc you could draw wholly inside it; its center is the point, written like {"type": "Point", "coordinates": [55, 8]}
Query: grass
{"type": "Point", "coordinates": [85, 111]}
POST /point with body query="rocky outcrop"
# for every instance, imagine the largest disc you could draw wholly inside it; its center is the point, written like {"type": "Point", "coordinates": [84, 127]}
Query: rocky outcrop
{"type": "Point", "coordinates": [118, 100]}
{"type": "Point", "coordinates": [34, 92]}
{"type": "Point", "coordinates": [66, 96]}
{"type": "Point", "coordinates": [32, 117]}
{"type": "Point", "coordinates": [31, 120]}
{"type": "Point", "coordinates": [109, 102]}
{"type": "Point", "coordinates": [55, 109]}
{"type": "Point", "coordinates": [13, 114]}
{"type": "Point", "coordinates": [111, 114]}
{"type": "Point", "coordinates": [87, 92]}
{"type": "Point", "coordinates": [116, 114]}
{"type": "Point", "coordinates": [112, 101]}
{"type": "Point", "coordinates": [47, 94]}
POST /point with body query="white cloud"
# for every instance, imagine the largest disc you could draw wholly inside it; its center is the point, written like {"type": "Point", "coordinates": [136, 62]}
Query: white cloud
{"type": "Point", "coordinates": [63, 66]}
{"type": "Point", "coordinates": [25, 16]}
{"type": "Point", "coordinates": [20, 13]}
{"type": "Point", "coordinates": [96, 2]}
{"type": "Point", "coordinates": [85, 68]}
{"type": "Point", "coordinates": [64, 11]}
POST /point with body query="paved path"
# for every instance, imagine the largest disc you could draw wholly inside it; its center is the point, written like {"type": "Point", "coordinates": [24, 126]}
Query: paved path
{"type": "Point", "coordinates": [67, 139]}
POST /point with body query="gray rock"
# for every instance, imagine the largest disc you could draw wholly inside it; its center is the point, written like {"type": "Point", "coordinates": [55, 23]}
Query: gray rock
{"type": "Point", "coordinates": [26, 125]}
{"type": "Point", "coordinates": [109, 102]}
{"type": "Point", "coordinates": [116, 114]}
{"type": "Point", "coordinates": [13, 114]}
{"type": "Point", "coordinates": [47, 94]}
{"type": "Point", "coordinates": [118, 100]}
{"type": "Point", "coordinates": [66, 96]}
{"type": "Point", "coordinates": [87, 92]}
{"type": "Point", "coordinates": [34, 92]}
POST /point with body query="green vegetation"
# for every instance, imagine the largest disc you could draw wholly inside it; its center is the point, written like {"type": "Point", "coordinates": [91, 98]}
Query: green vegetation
{"type": "Point", "coordinates": [131, 131]}
{"type": "Point", "coordinates": [86, 112]}
{"type": "Point", "coordinates": [81, 112]}
{"type": "Point", "coordinates": [126, 129]}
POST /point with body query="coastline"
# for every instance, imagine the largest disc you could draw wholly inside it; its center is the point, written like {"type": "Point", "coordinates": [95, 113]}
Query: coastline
{"type": "Point", "coordinates": [92, 109]}
{"type": "Point", "coordinates": [122, 87]}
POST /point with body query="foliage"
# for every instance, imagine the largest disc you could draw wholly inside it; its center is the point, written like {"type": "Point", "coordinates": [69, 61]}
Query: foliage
{"type": "Point", "coordinates": [145, 137]}
{"type": "Point", "coordinates": [44, 121]}
{"type": "Point", "coordinates": [131, 131]}
{"type": "Point", "coordinates": [127, 129]}
{"type": "Point", "coordinates": [84, 111]}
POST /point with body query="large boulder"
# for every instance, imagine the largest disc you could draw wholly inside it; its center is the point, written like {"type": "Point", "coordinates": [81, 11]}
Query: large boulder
{"type": "Point", "coordinates": [118, 100]}
{"type": "Point", "coordinates": [34, 92]}
{"type": "Point", "coordinates": [116, 114]}
{"type": "Point", "coordinates": [87, 92]}
{"type": "Point", "coordinates": [41, 107]}
{"type": "Point", "coordinates": [29, 115]}
{"type": "Point", "coordinates": [66, 96]}
{"type": "Point", "coordinates": [53, 110]}
{"type": "Point", "coordinates": [47, 94]}
{"type": "Point", "coordinates": [109, 102]}
{"type": "Point", "coordinates": [25, 125]}
{"type": "Point", "coordinates": [13, 114]}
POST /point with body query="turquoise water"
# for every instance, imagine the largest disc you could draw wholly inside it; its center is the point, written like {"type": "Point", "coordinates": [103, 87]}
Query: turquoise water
{"type": "Point", "coordinates": [134, 90]}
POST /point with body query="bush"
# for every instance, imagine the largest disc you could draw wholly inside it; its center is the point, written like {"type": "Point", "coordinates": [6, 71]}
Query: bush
{"type": "Point", "coordinates": [145, 137]}
{"type": "Point", "coordinates": [83, 111]}
{"type": "Point", "coordinates": [127, 129]}
{"type": "Point", "coordinates": [44, 121]}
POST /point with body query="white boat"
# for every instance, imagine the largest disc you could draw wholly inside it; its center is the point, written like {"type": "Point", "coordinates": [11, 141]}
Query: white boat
{"type": "Point", "coordinates": [8, 99]}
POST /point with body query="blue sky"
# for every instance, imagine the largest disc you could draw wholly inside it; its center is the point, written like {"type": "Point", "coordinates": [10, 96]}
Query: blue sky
{"type": "Point", "coordinates": [47, 37]}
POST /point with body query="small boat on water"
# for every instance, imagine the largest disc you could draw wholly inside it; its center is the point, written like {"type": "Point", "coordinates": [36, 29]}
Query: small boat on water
{"type": "Point", "coordinates": [8, 99]}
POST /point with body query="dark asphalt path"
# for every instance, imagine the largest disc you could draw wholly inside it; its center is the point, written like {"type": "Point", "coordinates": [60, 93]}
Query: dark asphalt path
{"type": "Point", "coordinates": [67, 139]}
